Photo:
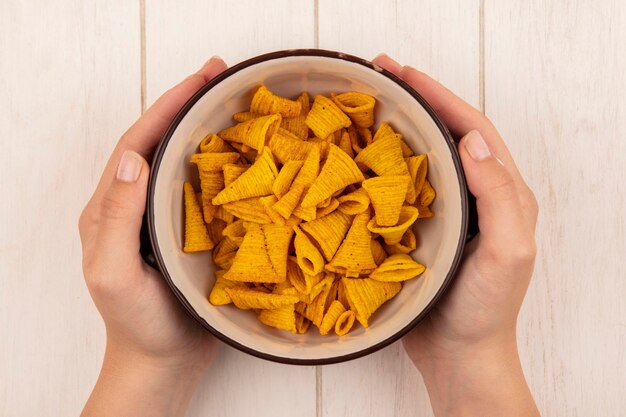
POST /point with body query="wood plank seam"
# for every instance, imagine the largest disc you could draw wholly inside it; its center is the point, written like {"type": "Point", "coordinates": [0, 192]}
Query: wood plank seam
{"type": "Point", "coordinates": [142, 57]}
{"type": "Point", "coordinates": [481, 55]}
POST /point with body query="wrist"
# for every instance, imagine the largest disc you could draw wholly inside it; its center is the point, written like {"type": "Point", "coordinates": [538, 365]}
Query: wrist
{"type": "Point", "coordinates": [483, 378]}
{"type": "Point", "coordinates": [141, 385]}
{"type": "Point", "coordinates": [458, 358]}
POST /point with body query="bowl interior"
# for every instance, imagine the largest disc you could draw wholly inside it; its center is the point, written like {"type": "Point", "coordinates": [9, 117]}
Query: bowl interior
{"type": "Point", "coordinates": [438, 237]}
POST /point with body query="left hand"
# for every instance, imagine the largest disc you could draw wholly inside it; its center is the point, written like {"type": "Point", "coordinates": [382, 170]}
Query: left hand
{"type": "Point", "coordinates": [145, 324]}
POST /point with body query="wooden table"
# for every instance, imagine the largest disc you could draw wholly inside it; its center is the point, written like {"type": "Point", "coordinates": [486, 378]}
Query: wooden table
{"type": "Point", "coordinates": [550, 74]}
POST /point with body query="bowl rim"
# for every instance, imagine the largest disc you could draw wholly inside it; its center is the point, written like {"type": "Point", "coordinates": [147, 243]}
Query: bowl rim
{"type": "Point", "coordinates": [160, 150]}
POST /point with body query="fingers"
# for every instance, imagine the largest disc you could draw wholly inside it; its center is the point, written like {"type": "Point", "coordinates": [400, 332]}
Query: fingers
{"type": "Point", "coordinates": [121, 211]}
{"type": "Point", "coordinates": [144, 135]}
{"type": "Point", "coordinates": [503, 229]}
{"type": "Point", "coordinates": [461, 118]}
{"type": "Point", "coordinates": [388, 63]}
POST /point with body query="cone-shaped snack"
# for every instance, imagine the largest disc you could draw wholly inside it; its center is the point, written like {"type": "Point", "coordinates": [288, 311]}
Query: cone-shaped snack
{"type": "Point", "coordinates": [268, 204]}
{"type": "Point", "coordinates": [277, 241]}
{"type": "Point", "coordinates": [386, 130]}
{"type": "Point", "coordinates": [211, 177]}
{"type": "Point", "coordinates": [254, 133]}
{"type": "Point", "coordinates": [249, 209]}
{"type": "Point", "coordinates": [265, 102]}
{"type": "Point", "coordinates": [335, 310]}
{"type": "Point", "coordinates": [355, 202]}
{"type": "Point", "coordinates": [196, 234]}
{"type": "Point", "coordinates": [247, 298]}
{"type": "Point", "coordinates": [407, 244]}
{"type": "Point", "coordinates": [345, 144]}
{"type": "Point", "coordinates": [328, 232]}
{"type": "Point", "coordinates": [296, 125]}
{"type": "Point", "coordinates": [311, 168]}
{"type": "Point", "coordinates": [378, 252]}
{"type": "Point", "coordinates": [309, 257]}
{"type": "Point", "coordinates": [256, 181]}
{"type": "Point", "coordinates": [285, 177]}
{"type": "Point", "coordinates": [384, 157]}
{"type": "Point", "coordinates": [424, 212]}
{"type": "Point", "coordinates": [324, 211]}
{"type": "Point", "coordinates": [288, 202]}
{"type": "Point", "coordinates": [427, 194]}
{"type": "Point", "coordinates": [316, 309]}
{"type": "Point", "coordinates": [306, 214]}
{"type": "Point", "coordinates": [215, 229]}
{"type": "Point", "coordinates": [306, 176]}
{"type": "Point", "coordinates": [232, 172]}
{"type": "Point", "coordinates": [344, 323]}
{"type": "Point", "coordinates": [325, 117]}
{"type": "Point", "coordinates": [354, 256]}
{"type": "Point", "coordinates": [236, 231]}
{"type": "Point", "coordinates": [365, 136]}
{"type": "Point", "coordinates": [224, 253]}
{"type": "Point", "coordinates": [387, 194]}
{"type": "Point", "coordinates": [302, 323]}
{"type": "Point", "coordinates": [305, 102]}
{"type": "Point", "coordinates": [338, 172]}
{"type": "Point", "coordinates": [341, 295]}
{"type": "Point", "coordinates": [295, 276]}
{"type": "Point", "coordinates": [367, 295]}
{"type": "Point", "coordinates": [262, 256]}
{"type": "Point", "coordinates": [358, 107]}
{"type": "Point", "coordinates": [393, 234]}
{"type": "Point", "coordinates": [218, 295]}
{"type": "Point", "coordinates": [224, 215]}
{"type": "Point", "coordinates": [318, 283]}
{"type": "Point", "coordinates": [418, 169]}
{"type": "Point", "coordinates": [245, 116]}
{"type": "Point", "coordinates": [355, 140]}
{"type": "Point", "coordinates": [214, 144]}
{"type": "Point", "coordinates": [211, 183]}
{"type": "Point", "coordinates": [213, 162]}
{"type": "Point", "coordinates": [281, 318]}
{"type": "Point", "coordinates": [399, 267]}
{"type": "Point", "coordinates": [287, 147]}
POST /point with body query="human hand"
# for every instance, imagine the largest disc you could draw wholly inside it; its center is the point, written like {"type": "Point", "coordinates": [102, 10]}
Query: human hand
{"type": "Point", "coordinates": [151, 341]}
{"type": "Point", "coordinates": [472, 330]}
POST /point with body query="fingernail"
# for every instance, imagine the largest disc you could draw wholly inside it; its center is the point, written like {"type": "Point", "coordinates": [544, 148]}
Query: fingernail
{"type": "Point", "coordinates": [395, 66]}
{"type": "Point", "coordinates": [407, 68]}
{"type": "Point", "coordinates": [213, 58]}
{"type": "Point", "coordinates": [130, 167]}
{"type": "Point", "coordinates": [476, 146]}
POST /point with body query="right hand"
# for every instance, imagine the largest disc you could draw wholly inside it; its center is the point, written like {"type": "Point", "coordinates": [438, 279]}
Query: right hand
{"type": "Point", "coordinates": [489, 288]}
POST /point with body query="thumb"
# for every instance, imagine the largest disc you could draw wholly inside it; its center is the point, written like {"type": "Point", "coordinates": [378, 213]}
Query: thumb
{"type": "Point", "coordinates": [122, 207]}
{"type": "Point", "coordinates": [500, 214]}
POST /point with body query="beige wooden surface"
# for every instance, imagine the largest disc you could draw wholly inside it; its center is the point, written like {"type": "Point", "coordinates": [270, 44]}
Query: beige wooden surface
{"type": "Point", "coordinates": [75, 74]}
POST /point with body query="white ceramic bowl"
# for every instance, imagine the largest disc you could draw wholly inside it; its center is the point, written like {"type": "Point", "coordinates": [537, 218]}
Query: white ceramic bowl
{"type": "Point", "coordinates": [440, 239]}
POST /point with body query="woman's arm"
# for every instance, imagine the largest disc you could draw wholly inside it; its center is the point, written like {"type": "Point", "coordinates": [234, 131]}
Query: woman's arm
{"type": "Point", "coordinates": [155, 354]}
{"type": "Point", "coordinates": [466, 349]}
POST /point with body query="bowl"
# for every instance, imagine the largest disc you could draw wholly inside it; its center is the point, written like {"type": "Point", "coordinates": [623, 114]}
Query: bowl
{"type": "Point", "coordinates": [441, 239]}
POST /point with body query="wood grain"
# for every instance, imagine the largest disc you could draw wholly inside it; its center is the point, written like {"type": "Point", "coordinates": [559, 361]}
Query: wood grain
{"type": "Point", "coordinates": [439, 38]}
{"type": "Point", "coordinates": [69, 86]}
{"type": "Point", "coordinates": [442, 39]}
{"type": "Point", "coordinates": [177, 42]}
{"type": "Point", "coordinates": [181, 36]}
{"type": "Point", "coordinates": [555, 87]}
